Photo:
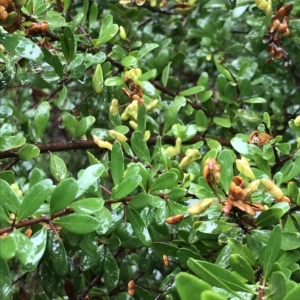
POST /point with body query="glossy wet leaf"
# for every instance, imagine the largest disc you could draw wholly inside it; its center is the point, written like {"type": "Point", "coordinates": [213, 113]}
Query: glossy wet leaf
{"type": "Point", "coordinates": [217, 276]}
{"type": "Point", "coordinates": [5, 281]}
{"type": "Point", "coordinates": [126, 186]}
{"type": "Point", "coordinates": [271, 251]}
{"type": "Point", "coordinates": [146, 48]}
{"type": "Point", "coordinates": [111, 270]}
{"type": "Point", "coordinates": [269, 217]}
{"type": "Point", "coordinates": [165, 75]}
{"type": "Point", "coordinates": [222, 121]}
{"type": "Point", "coordinates": [9, 200]}
{"type": "Point", "coordinates": [58, 167]}
{"type": "Point", "coordinates": [113, 81]}
{"type": "Point", "coordinates": [34, 198]}
{"type": "Point", "coordinates": [163, 182]}
{"type": "Point", "coordinates": [57, 254]}
{"type": "Point", "coordinates": [78, 223]}
{"type": "Point", "coordinates": [21, 47]}
{"type": "Point", "coordinates": [139, 227]}
{"type": "Point", "coordinates": [28, 151]}
{"type": "Point", "coordinates": [10, 142]}
{"type": "Point", "coordinates": [89, 176]}
{"type": "Point", "coordinates": [98, 79]}
{"type": "Point", "coordinates": [63, 195]}
{"type": "Point", "coordinates": [83, 125]}
{"type": "Point", "coordinates": [242, 250]}
{"type": "Point", "coordinates": [87, 206]}
{"type": "Point", "coordinates": [70, 122]}
{"type": "Point", "coordinates": [107, 34]}
{"type": "Point", "coordinates": [106, 220]}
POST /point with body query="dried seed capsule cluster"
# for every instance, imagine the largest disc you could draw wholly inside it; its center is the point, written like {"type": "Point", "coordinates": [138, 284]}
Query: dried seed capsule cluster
{"type": "Point", "coordinates": [279, 25]}
{"type": "Point", "coordinates": [8, 14]}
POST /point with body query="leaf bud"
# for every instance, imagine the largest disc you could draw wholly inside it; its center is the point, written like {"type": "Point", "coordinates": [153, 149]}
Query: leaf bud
{"type": "Point", "coordinates": [261, 4]}
{"type": "Point", "coordinates": [244, 167]}
{"type": "Point", "coordinates": [113, 109]}
{"type": "Point", "coordinates": [102, 144]}
{"type": "Point", "coordinates": [16, 189]}
{"type": "Point", "coordinates": [272, 188]}
{"type": "Point", "coordinates": [171, 151]}
{"type": "Point", "coordinates": [152, 104]}
{"type": "Point", "coordinates": [123, 34]}
{"type": "Point", "coordinates": [200, 206]}
{"type": "Point", "coordinates": [297, 121]}
{"type": "Point", "coordinates": [117, 135]}
{"type": "Point", "coordinates": [147, 135]}
{"type": "Point", "coordinates": [185, 161]}
{"type": "Point", "coordinates": [133, 125]}
{"type": "Point", "coordinates": [253, 186]}
{"type": "Point", "coordinates": [211, 171]}
{"type": "Point", "coordinates": [174, 219]}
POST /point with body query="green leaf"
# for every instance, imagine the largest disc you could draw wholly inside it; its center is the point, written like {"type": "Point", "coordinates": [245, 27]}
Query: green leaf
{"type": "Point", "coordinates": [63, 195]}
{"type": "Point", "coordinates": [87, 206]}
{"type": "Point", "coordinates": [242, 267]}
{"type": "Point", "coordinates": [70, 122]}
{"type": "Point", "coordinates": [142, 119]}
{"type": "Point", "coordinates": [218, 276]}
{"type": "Point", "coordinates": [290, 241]}
{"type": "Point", "coordinates": [78, 223]}
{"type": "Point", "coordinates": [278, 287]}
{"type": "Point", "coordinates": [192, 91]}
{"type": "Point", "coordinates": [68, 44]}
{"type": "Point", "coordinates": [139, 146]}
{"type": "Point", "coordinates": [190, 287]}
{"type": "Point", "coordinates": [106, 220]}
{"type": "Point", "coordinates": [225, 159]}
{"type": "Point", "coordinates": [139, 227]}
{"type": "Point", "coordinates": [8, 199]}
{"type": "Point", "coordinates": [185, 254]}
{"type": "Point", "coordinates": [57, 254]}
{"type": "Point", "coordinates": [165, 74]}
{"type": "Point", "coordinates": [117, 163]}
{"type": "Point", "coordinates": [114, 81]}
{"type": "Point", "coordinates": [89, 176]}
{"type": "Point", "coordinates": [269, 217]}
{"type": "Point", "coordinates": [211, 295]}
{"type": "Point", "coordinates": [39, 240]}
{"type": "Point", "coordinates": [58, 168]}
{"type": "Point", "coordinates": [28, 151]}
{"type": "Point", "coordinates": [222, 121]}
{"type": "Point", "coordinates": [21, 47]}
{"type": "Point", "coordinates": [148, 75]}
{"type": "Point", "coordinates": [10, 142]}
{"type": "Point", "coordinates": [293, 294]}
{"type": "Point", "coordinates": [83, 126]}
{"type": "Point", "coordinates": [93, 15]}
{"type": "Point", "coordinates": [128, 61]}
{"type": "Point", "coordinates": [106, 35]}
{"type": "Point", "coordinates": [8, 247]}
{"type": "Point", "coordinates": [267, 120]}
{"type": "Point", "coordinates": [35, 197]}
{"type": "Point", "coordinates": [57, 65]}
{"type": "Point", "coordinates": [111, 270]}
{"type": "Point", "coordinates": [125, 187]}
{"type": "Point", "coordinates": [5, 281]}
{"type": "Point", "coordinates": [98, 79]}
{"type": "Point", "coordinates": [255, 100]}
{"type": "Point", "coordinates": [165, 181]}
{"type": "Point", "coordinates": [41, 118]}
{"type": "Point", "coordinates": [271, 251]}
{"type": "Point", "coordinates": [242, 250]}
{"type": "Point", "coordinates": [146, 48]}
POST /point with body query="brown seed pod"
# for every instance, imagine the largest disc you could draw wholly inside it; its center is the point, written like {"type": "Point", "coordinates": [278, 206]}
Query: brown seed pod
{"type": "Point", "coordinates": [239, 181]}
{"type": "Point", "coordinates": [28, 232]}
{"type": "Point", "coordinates": [174, 219]}
{"type": "Point", "coordinates": [3, 13]}
{"type": "Point", "coordinates": [131, 288]}
{"type": "Point", "coordinates": [211, 171]}
{"type": "Point", "coordinates": [16, 26]}
{"type": "Point", "coordinates": [166, 260]}
{"type": "Point", "coordinates": [261, 138]}
{"type": "Point", "coordinates": [278, 55]}
{"type": "Point", "coordinates": [38, 28]}
{"type": "Point", "coordinates": [283, 11]}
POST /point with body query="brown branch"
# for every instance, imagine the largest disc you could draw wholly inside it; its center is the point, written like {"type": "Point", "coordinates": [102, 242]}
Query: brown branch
{"type": "Point", "coordinates": [90, 144]}
{"type": "Point", "coordinates": [54, 147]}
{"type": "Point", "coordinates": [163, 89]}
{"type": "Point", "coordinates": [30, 222]}
{"type": "Point", "coordinates": [89, 287]}
{"type": "Point", "coordinates": [10, 164]}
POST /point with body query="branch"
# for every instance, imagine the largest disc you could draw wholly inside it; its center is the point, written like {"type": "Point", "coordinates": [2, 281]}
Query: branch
{"type": "Point", "coordinates": [54, 147]}
{"type": "Point", "coordinates": [30, 222]}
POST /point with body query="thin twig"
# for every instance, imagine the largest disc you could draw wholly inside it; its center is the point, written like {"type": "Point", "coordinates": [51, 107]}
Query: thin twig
{"type": "Point", "coordinates": [89, 287]}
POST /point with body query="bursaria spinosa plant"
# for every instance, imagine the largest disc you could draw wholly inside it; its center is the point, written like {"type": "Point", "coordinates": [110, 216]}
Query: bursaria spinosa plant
{"type": "Point", "coordinates": [149, 149]}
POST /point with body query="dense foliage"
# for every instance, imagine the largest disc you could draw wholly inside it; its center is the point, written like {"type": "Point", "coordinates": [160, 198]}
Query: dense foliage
{"type": "Point", "coordinates": [149, 149]}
